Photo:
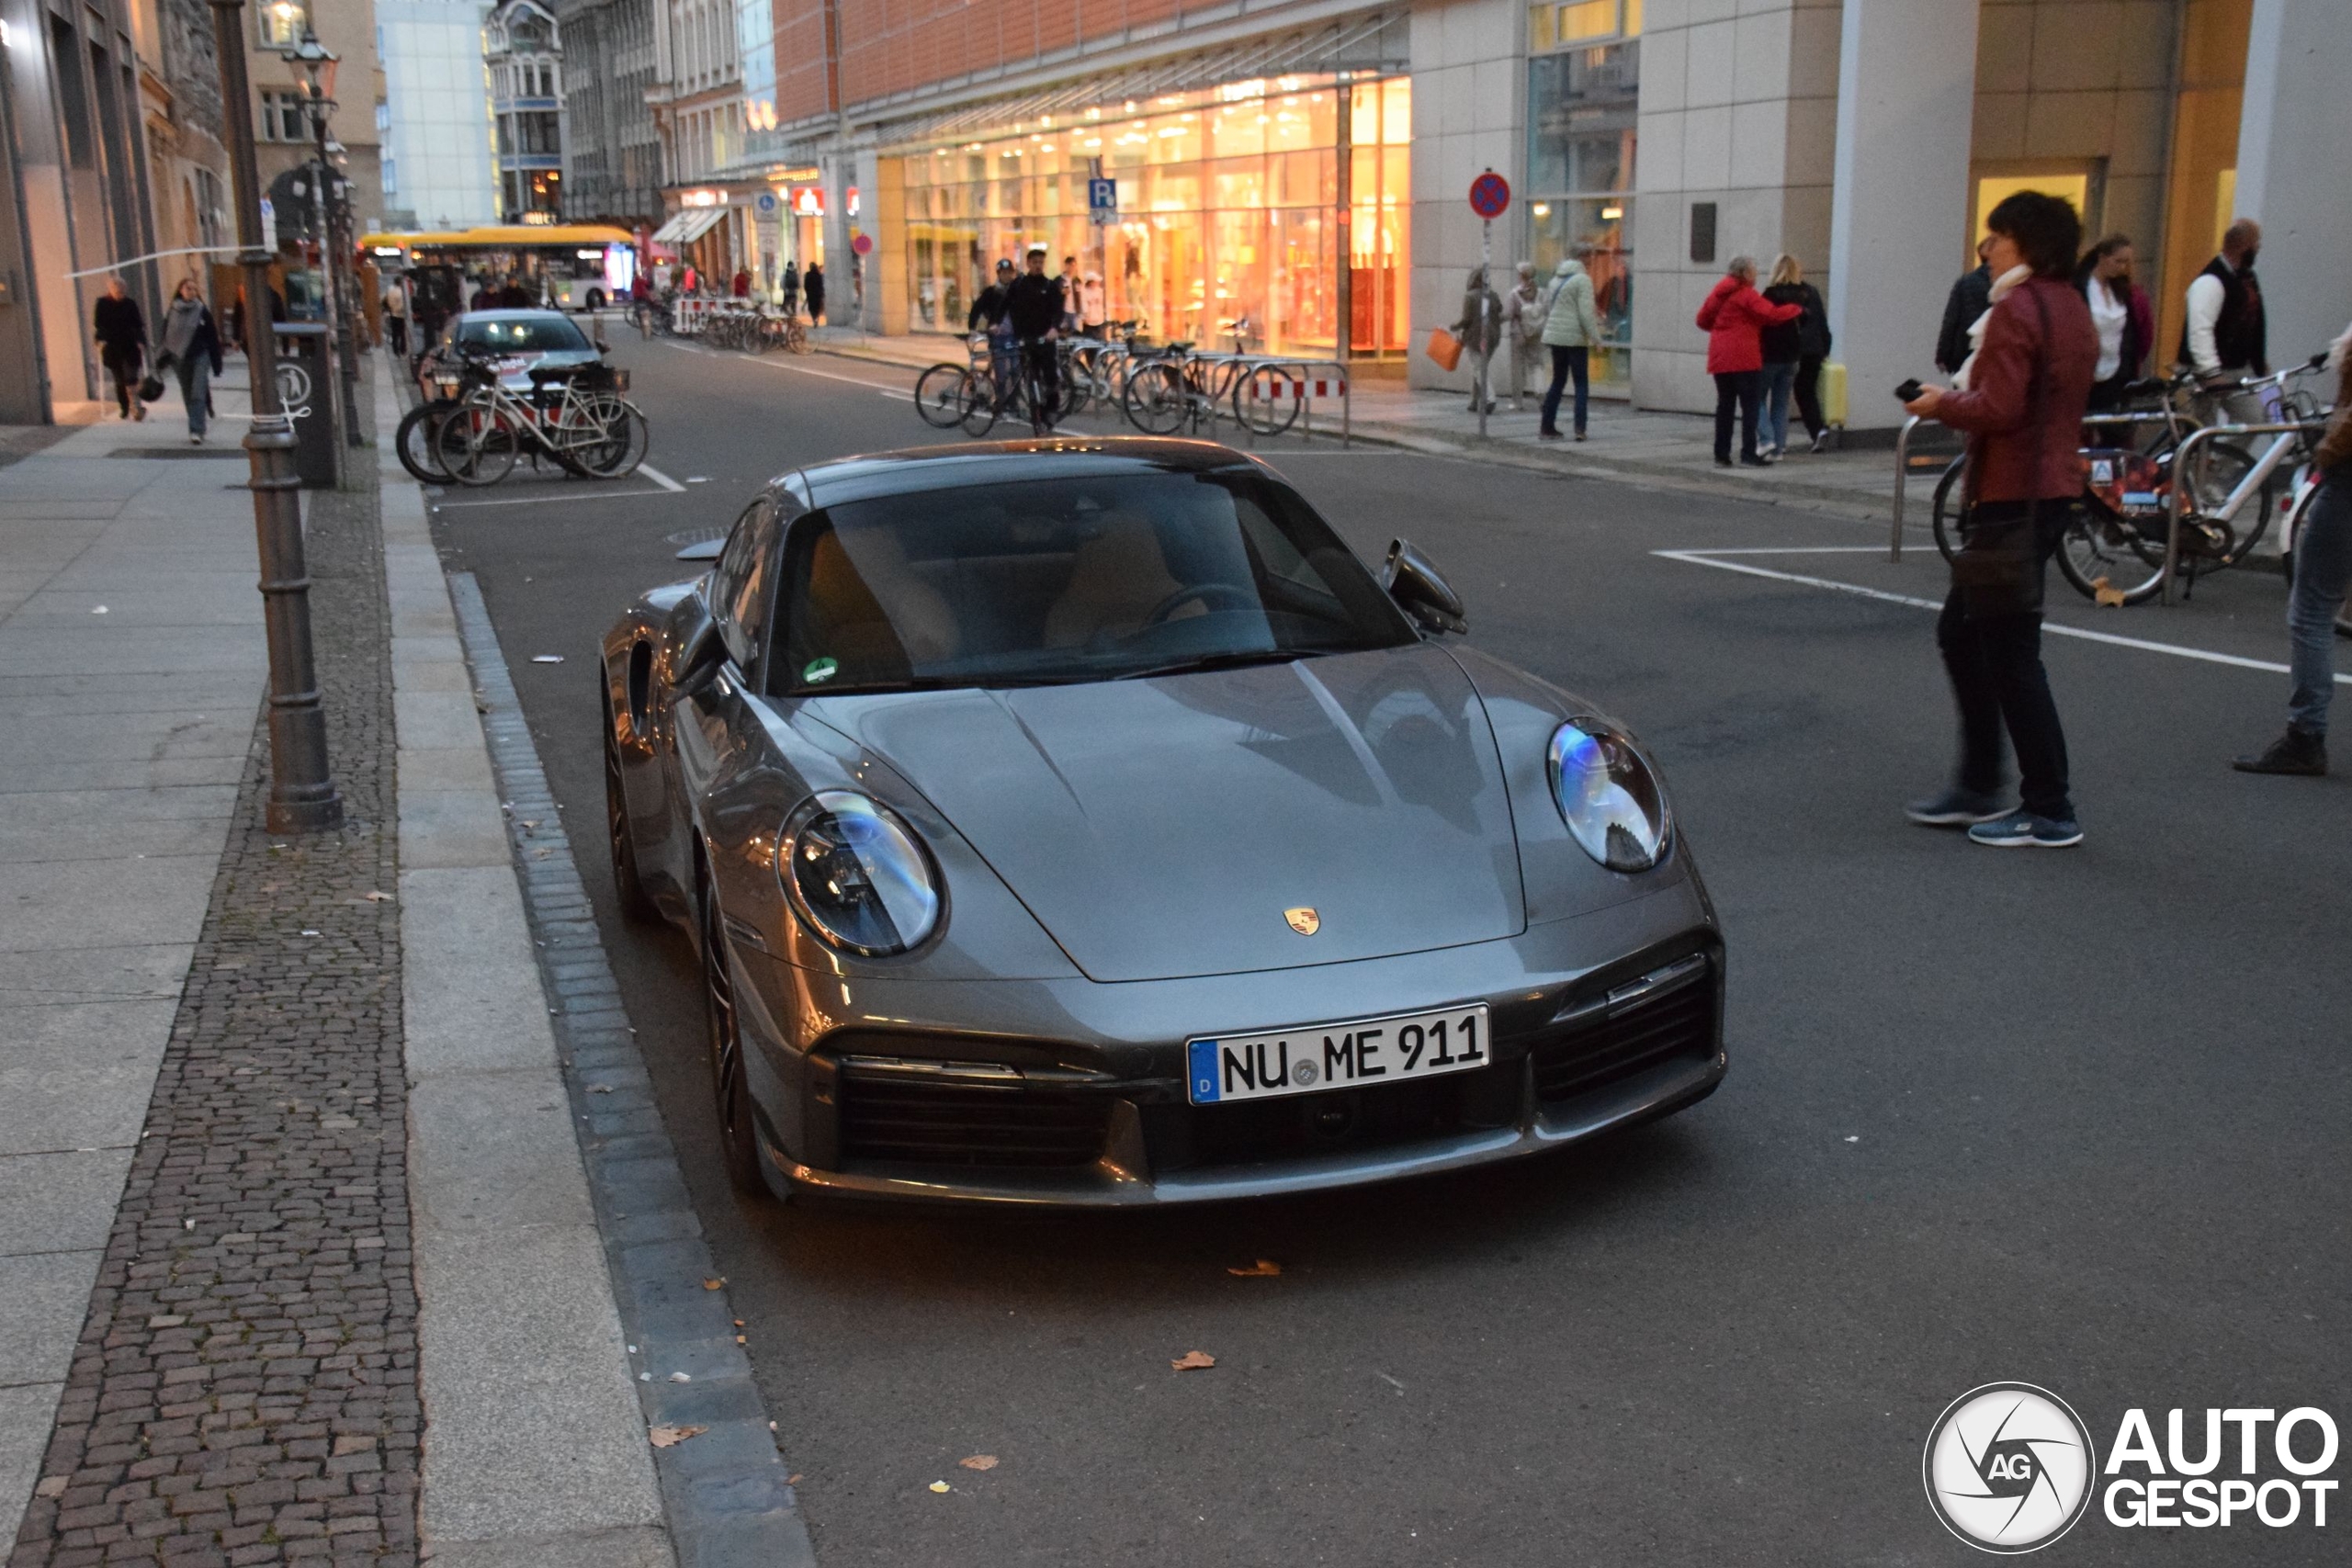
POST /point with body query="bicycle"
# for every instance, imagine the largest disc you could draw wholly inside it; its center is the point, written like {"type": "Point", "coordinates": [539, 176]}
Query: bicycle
{"type": "Point", "coordinates": [983, 404]}
{"type": "Point", "coordinates": [2113, 548]}
{"type": "Point", "coordinates": [1177, 388]}
{"type": "Point", "coordinates": [943, 391]}
{"type": "Point", "coordinates": [577, 415]}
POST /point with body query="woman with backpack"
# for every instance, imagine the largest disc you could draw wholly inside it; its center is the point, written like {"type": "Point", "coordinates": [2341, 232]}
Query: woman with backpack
{"type": "Point", "coordinates": [1792, 354]}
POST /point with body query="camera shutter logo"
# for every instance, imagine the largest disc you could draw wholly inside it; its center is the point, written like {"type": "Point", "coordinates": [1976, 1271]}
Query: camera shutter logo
{"type": "Point", "coordinates": [2009, 1467]}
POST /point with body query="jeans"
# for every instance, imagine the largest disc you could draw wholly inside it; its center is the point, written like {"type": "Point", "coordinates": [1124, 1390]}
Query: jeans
{"type": "Point", "coordinates": [1567, 362]}
{"type": "Point", "coordinates": [1003, 354]}
{"type": "Point", "coordinates": [2323, 568]}
{"type": "Point", "coordinates": [195, 389]}
{"type": "Point", "coordinates": [1779, 381]}
{"type": "Point", "coordinates": [1995, 663]}
{"type": "Point", "coordinates": [1737, 388]}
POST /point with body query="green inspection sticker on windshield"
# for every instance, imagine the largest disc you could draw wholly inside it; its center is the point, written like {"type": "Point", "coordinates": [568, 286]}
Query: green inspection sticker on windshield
{"type": "Point", "coordinates": [819, 670]}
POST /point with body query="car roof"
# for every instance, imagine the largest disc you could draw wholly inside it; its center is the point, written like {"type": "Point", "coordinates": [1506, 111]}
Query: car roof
{"type": "Point", "coordinates": [919, 469]}
{"type": "Point", "coordinates": [514, 315]}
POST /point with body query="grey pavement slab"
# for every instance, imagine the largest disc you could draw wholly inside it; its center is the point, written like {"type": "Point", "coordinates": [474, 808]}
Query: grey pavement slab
{"type": "Point", "coordinates": [26, 1412]}
{"type": "Point", "coordinates": [58, 1202]}
{"type": "Point", "coordinates": [53, 1290]}
{"type": "Point", "coordinates": [52, 904]}
{"type": "Point", "coordinates": [87, 840]}
{"type": "Point", "coordinates": [53, 777]}
{"type": "Point", "coordinates": [473, 1002]}
{"type": "Point", "coordinates": [484, 1141]}
{"type": "Point", "coordinates": [57, 976]}
{"type": "Point", "coordinates": [74, 1075]}
{"type": "Point", "coordinates": [642, 1546]}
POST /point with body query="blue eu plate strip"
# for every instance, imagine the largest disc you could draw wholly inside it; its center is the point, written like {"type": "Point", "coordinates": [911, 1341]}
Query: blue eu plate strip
{"type": "Point", "coordinates": [1204, 1074]}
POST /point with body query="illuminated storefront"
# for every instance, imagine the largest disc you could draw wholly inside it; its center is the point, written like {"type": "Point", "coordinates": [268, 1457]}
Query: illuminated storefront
{"type": "Point", "coordinates": [1228, 206]}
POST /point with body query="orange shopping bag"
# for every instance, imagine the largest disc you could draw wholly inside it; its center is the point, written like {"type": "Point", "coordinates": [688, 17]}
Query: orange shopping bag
{"type": "Point", "coordinates": [1445, 348]}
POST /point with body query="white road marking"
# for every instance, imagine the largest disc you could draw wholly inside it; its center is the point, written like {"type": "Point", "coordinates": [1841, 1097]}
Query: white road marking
{"type": "Point", "coordinates": [657, 477]}
{"type": "Point", "coordinates": [2055, 629]}
{"type": "Point", "coordinates": [552, 499]}
{"type": "Point", "coordinates": [891, 392]}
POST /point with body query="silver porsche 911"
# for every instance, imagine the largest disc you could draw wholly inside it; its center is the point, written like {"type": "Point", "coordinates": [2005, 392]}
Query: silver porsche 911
{"type": "Point", "coordinates": [1081, 823]}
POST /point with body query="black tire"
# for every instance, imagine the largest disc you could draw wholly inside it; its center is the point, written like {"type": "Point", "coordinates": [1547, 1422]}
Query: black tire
{"type": "Point", "coordinates": [1946, 510]}
{"type": "Point", "coordinates": [1262, 417]}
{"type": "Point", "coordinates": [2102, 552]}
{"type": "Point", "coordinates": [1154, 399]}
{"type": "Point", "coordinates": [979, 413]}
{"type": "Point", "coordinates": [628, 438]}
{"type": "Point", "coordinates": [414, 443]}
{"type": "Point", "coordinates": [939, 395]}
{"type": "Point", "coordinates": [738, 1140]}
{"type": "Point", "coordinates": [635, 906]}
{"type": "Point", "coordinates": [476, 463]}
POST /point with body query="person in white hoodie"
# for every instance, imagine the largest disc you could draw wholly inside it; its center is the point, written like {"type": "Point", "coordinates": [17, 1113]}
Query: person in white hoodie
{"type": "Point", "coordinates": [1571, 329]}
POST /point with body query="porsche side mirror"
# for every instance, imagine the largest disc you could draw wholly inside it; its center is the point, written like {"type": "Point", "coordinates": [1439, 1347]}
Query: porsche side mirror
{"type": "Point", "coordinates": [1421, 591]}
{"type": "Point", "coordinates": [707, 549]}
{"type": "Point", "coordinates": [700, 654]}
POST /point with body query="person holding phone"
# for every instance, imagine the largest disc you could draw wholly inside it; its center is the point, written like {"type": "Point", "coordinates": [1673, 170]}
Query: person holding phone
{"type": "Point", "coordinates": [2027, 386]}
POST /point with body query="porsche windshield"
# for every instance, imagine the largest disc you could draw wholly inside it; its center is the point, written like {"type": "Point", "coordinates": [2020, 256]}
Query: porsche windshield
{"type": "Point", "coordinates": [1085, 578]}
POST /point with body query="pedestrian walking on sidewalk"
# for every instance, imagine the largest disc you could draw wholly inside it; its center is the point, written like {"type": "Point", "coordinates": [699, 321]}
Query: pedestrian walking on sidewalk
{"type": "Point", "coordinates": [1524, 327]}
{"type": "Point", "coordinates": [2225, 334]}
{"type": "Point", "coordinates": [2323, 573]}
{"type": "Point", "coordinates": [1792, 354]}
{"type": "Point", "coordinates": [2120, 310]}
{"type": "Point", "coordinates": [121, 334]}
{"type": "Point", "coordinates": [395, 304]}
{"type": "Point", "coordinates": [2022, 412]}
{"type": "Point", "coordinates": [1480, 331]}
{"type": "Point", "coordinates": [1734, 316]}
{"type": "Point", "coordinates": [192, 349]}
{"type": "Point", "coordinates": [1968, 300]}
{"type": "Point", "coordinates": [791, 290]}
{"type": "Point", "coordinates": [813, 284]}
{"type": "Point", "coordinates": [1571, 329]}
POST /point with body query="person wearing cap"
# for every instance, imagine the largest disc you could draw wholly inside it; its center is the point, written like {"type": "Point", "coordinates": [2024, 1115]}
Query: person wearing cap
{"type": "Point", "coordinates": [989, 314]}
{"type": "Point", "coordinates": [1034, 306]}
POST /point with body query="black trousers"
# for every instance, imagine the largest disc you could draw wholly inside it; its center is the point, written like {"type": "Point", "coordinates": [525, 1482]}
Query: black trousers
{"type": "Point", "coordinates": [1743, 389]}
{"type": "Point", "coordinates": [1042, 364]}
{"type": "Point", "coordinates": [1997, 682]}
{"type": "Point", "coordinates": [1809, 394]}
{"type": "Point", "coordinates": [122, 369]}
{"type": "Point", "coordinates": [396, 333]}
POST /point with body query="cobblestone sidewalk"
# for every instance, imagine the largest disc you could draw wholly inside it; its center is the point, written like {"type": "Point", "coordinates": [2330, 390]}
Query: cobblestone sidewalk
{"type": "Point", "coordinates": [245, 1389]}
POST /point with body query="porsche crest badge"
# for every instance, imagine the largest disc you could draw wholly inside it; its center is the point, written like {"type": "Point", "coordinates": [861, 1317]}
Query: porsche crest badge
{"type": "Point", "coordinates": [1304, 921]}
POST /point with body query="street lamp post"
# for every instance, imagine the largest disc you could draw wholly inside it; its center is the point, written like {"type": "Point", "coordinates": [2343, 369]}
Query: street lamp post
{"type": "Point", "coordinates": [317, 65]}
{"type": "Point", "coordinates": [302, 795]}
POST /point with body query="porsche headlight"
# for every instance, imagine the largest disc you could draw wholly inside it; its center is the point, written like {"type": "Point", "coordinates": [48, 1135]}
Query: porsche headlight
{"type": "Point", "coordinates": [1608, 796]}
{"type": "Point", "coordinates": [857, 874]}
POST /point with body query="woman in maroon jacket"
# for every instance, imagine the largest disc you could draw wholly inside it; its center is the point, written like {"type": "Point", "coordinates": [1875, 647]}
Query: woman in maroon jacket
{"type": "Point", "coordinates": [1734, 318]}
{"type": "Point", "coordinates": [2027, 383]}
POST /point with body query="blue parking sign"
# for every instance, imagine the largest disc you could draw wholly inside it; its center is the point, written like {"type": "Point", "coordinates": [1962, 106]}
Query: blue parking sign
{"type": "Point", "coordinates": [1102, 195]}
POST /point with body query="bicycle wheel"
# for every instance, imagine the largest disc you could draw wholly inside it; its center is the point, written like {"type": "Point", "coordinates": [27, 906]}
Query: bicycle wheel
{"type": "Point", "coordinates": [2102, 552]}
{"type": "Point", "coordinates": [477, 446]}
{"type": "Point", "coordinates": [1264, 416]}
{"type": "Point", "coordinates": [795, 338]}
{"type": "Point", "coordinates": [939, 394]}
{"type": "Point", "coordinates": [1078, 388]}
{"type": "Point", "coordinates": [979, 413]}
{"type": "Point", "coordinates": [1156, 399]}
{"type": "Point", "coordinates": [628, 436]}
{"type": "Point", "coordinates": [415, 445]}
{"type": "Point", "coordinates": [1946, 512]}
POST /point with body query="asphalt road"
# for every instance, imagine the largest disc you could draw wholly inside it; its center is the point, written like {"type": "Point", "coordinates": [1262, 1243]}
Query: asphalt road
{"type": "Point", "coordinates": [2074, 1118]}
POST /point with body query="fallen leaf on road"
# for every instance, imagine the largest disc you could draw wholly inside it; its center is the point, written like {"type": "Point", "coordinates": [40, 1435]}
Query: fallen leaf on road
{"type": "Point", "coordinates": [739, 1323]}
{"type": "Point", "coordinates": [1264, 1268]}
{"type": "Point", "coordinates": [2102, 594]}
{"type": "Point", "coordinates": [716, 1283]}
{"type": "Point", "coordinates": [682, 1377]}
{"type": "Point", "coordinates": [941, 1486]}
{"type": "Point", "coordinates": [671, 1436]}
{"type": "Point", "coordinates": [792, 1480]}
{"type": "Point", "coordinates": [1193, 1361]}
{"type": "Point", "coordinates": [741, 1340]}
{"type": "Point", "coordinates": [979, 1461]}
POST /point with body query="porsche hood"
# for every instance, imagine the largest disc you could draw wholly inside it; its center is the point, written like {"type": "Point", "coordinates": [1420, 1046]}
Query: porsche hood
{"type": "Point", "coordinates": [1261, 817]}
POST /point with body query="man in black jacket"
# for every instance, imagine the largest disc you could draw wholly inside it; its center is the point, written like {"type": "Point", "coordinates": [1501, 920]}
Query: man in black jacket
{"type": "Point", "coordinates": [987, 315]}
{"type": "Point", "coordinates": [122, 334]}
{"type": "Point", "coordinates": [1970, 297]}
{"type": "Point", "coordinates": [1033, 306]}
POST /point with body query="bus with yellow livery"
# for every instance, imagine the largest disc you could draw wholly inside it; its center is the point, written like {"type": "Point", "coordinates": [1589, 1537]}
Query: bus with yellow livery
{"type": "Point", "coordinates": [564, 266]}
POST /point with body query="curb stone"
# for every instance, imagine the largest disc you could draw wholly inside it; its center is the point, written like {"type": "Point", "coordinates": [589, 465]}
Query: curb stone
{"type": "Point", "coordinates": [725, 1491]}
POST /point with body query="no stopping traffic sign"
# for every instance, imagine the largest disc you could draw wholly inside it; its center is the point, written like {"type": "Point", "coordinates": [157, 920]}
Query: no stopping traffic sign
{"type": "Point", "coordinates": [1489, 195]}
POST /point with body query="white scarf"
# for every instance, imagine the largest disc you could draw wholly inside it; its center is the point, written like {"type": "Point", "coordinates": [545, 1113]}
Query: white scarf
{"type": "Point", "coordinates": [2001, 288]}
{"type": "Point", "coordinates": [2338, 349]}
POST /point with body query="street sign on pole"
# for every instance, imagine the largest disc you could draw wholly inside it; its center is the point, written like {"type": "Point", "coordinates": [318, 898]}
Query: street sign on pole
{"type": "Point", "coordinates": [1103, 201]}
{"type": "Point", "coordinates": [1489, 195]}
{"type": "Point", "coordinates": [1489, 198]}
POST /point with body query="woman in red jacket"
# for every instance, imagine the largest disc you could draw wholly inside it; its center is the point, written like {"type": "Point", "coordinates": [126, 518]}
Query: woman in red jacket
{"type": "Point", "coordinates": [1734, 318]}
{"type": "Point", "coordinates": [2022, 412]}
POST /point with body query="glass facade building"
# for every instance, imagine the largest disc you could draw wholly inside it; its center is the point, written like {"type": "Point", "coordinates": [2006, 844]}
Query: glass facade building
{"type": "Point", "coordinates": [1583, 91]}
{"type": "Point", "coordinates": [1228, 204]}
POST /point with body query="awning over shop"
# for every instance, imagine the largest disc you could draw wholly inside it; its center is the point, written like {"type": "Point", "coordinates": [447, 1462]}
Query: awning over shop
{"type": "Point", "coordinates": [688, 226]}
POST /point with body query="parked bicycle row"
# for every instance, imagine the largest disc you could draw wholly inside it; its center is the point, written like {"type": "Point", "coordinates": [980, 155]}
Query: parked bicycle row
{"type": "Point", "coordinates": [1162, 390]}
{"type": "Point", "coordinates": [723, 324]}
{"type": "Point", "coordinates": [483, 413]}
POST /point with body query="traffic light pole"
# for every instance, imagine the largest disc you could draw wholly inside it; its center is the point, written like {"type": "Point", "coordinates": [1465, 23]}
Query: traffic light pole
{"type": "Point", "coordinates": [302, 795]}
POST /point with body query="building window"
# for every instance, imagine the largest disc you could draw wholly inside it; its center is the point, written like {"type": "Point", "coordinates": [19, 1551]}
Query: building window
{"type": "Point", "coordinates": [1562, 26]}
{"type": "Point", "coordinates": [1228, 202]}
{"type": "Point", "coordinates": [282, 23]}
{"type": "Point", "coordinates": [1581, 104]}
{"type": "Point", "coordinates": [282, 117]}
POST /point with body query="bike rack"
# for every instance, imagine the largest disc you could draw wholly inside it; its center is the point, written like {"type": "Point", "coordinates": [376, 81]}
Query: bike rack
{"type": "Point", "coordinates": [2180, 456]}
{"type": "Point", "coordinates": [1304, 374]}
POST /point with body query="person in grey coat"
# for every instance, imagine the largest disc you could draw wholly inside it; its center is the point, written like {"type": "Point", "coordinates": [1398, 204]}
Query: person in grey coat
{"type": "Point", "coordinates": [1480, 331]}
{"type": "Point", "coordinates": [1524, 327]}
{"type": "Point", "coordinates": [1571, 328]}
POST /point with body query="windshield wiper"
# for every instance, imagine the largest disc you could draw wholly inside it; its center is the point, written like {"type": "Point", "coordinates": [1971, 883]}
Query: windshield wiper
{"type": "Point", "coordinates": [1236, 658]}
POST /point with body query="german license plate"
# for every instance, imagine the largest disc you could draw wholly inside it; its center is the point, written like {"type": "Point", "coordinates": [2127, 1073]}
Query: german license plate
{"type": "Point", "coordinates": [1336, 1056]}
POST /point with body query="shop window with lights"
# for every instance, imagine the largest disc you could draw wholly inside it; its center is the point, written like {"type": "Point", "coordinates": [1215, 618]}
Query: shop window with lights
{"type": "Point", "coordinates": [1229, 209]}
{"type": "Point", "coordinates": [1583, 91]}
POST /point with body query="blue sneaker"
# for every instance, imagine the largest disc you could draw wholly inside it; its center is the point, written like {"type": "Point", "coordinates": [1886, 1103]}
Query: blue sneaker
{"type": "Point", "coordinates": [2024, 830]}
